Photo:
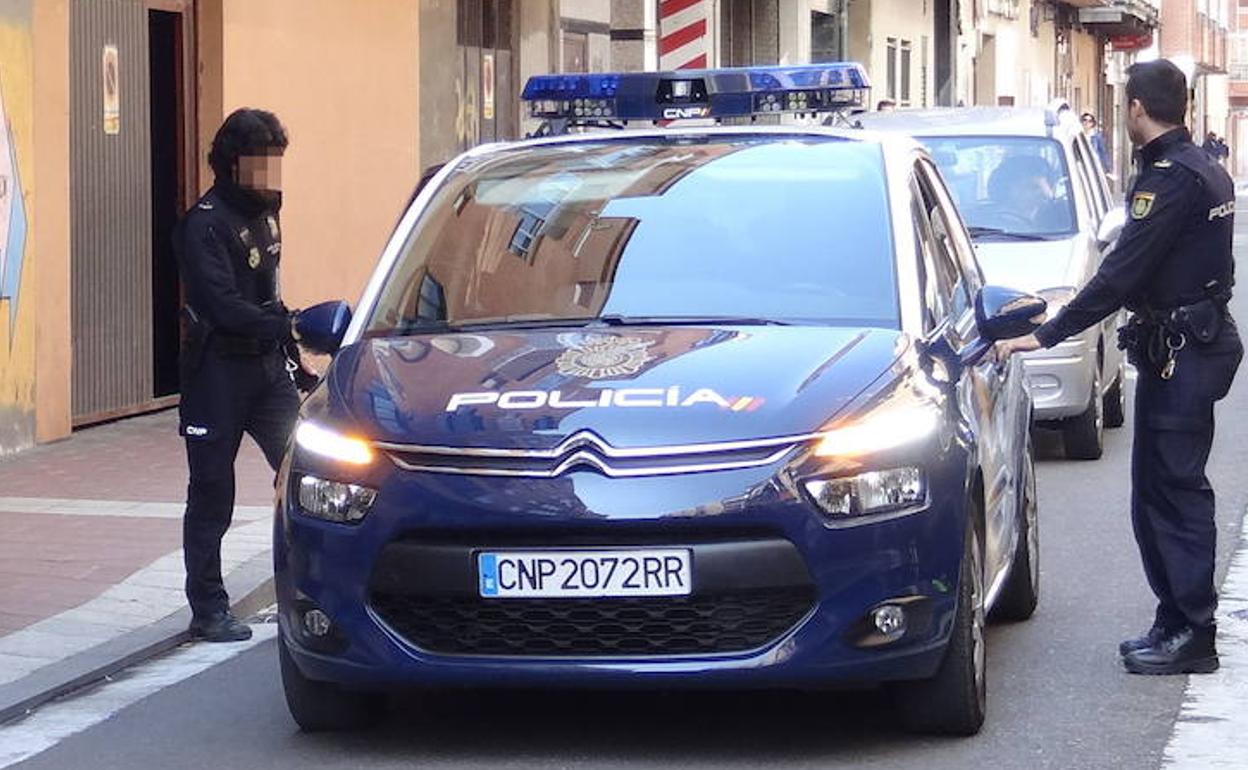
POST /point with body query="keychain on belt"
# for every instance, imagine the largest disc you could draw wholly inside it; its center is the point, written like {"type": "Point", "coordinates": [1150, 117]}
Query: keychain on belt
{"type": "Point", "coordinates": [1172, 353]}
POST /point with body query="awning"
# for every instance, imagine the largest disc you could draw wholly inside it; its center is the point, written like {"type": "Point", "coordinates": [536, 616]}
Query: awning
{"type": "Point", "coordinates": [1120, 18]}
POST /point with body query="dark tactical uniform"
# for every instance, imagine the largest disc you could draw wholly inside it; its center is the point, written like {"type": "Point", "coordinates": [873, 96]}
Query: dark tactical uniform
{"type": "Point", "coordinates": [234, 375]}
{"type": "Point", "coordinates": [1172, 268]}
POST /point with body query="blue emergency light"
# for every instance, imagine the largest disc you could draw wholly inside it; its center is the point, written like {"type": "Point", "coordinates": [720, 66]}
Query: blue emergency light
{"type": "Point", "coordinates": [736, 92]}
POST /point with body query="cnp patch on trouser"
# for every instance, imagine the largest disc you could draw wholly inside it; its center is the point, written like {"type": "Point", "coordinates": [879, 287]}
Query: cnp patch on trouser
{"type": "Point", "coordinates": [229, 396]}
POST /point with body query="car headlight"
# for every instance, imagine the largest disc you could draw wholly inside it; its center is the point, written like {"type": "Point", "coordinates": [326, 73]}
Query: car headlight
{"type": "Point", "coordinates": [869, 493]}
{"type": "Point", "coordinates": [882, 430]}
{"type": "Point", "coordinates": [335, 446]}
{"type": "Point", "coordinates": [1057, 297]}
{"type": "Point", "coordinates": [334, 500]}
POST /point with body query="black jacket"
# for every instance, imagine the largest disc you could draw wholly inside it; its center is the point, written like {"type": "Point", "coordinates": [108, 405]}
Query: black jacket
{"type": "Point", "coordinates": [229, 247]}
{"type": "Point", "coordinates": [1175, 248]}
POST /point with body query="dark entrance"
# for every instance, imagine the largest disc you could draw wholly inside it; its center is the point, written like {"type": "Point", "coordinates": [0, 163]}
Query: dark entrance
{"type": "Point", "coordinates": [946, 34]}
{"type": "Point", "coordinates": [169, 189]}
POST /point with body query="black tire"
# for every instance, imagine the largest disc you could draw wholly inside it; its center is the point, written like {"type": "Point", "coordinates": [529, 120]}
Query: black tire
{"type": "Point", "coordinates": [955, 700]}
{"type": "Point", "coordinates": [323, 706]}
{"type": "Point", "coordinates": [1084, 435]}
{"type": "Point", "coordinates": [1116, 401]}
{"type": "Point", "coordinates": [1021, 593]}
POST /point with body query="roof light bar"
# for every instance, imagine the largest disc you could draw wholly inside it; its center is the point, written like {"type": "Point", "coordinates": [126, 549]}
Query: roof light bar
{"type": "Point", "coordinates": [741, 92]}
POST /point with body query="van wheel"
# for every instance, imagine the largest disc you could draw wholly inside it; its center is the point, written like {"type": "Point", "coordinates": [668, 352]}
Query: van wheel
{"type": "Point", "coordinates": [1084, 435]}
{"type": "Point", "coordinates": [323, 706]}
{"type": "Point", "coordinates": [1116, 401]}
{"type": "Point", "coordinates": [954, 701]}
{"type": "Point", "coordinates": [1021, 592]}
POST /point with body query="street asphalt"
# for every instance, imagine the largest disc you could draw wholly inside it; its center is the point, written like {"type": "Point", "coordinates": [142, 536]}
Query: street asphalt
{"type": "Point", "coordinates": [1058, 697]}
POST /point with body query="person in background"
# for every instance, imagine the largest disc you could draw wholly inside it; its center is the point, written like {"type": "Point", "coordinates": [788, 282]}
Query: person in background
{"type": "Point", "coordinates": [1097, 140]}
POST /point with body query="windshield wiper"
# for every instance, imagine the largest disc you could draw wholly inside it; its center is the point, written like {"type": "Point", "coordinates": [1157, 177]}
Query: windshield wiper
{"type": "Point", "coordinates": [447, 327]}
{"type": "Point", "coordinates": [522, 322]}
{"type": "Point", "coordinates": [997, 232]}
{"type": "Point", "coordinates": [688, 320]}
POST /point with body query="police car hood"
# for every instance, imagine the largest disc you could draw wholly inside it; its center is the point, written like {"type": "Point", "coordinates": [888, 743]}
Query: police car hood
{"type": "Point", "coordinates": [1034, 265]}
{"type": "Point", "coordinates": [632, 387]}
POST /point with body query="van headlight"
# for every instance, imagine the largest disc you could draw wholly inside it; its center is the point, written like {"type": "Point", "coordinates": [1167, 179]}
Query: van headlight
{"type": "Point", "coordinates": [873, 492]}
{"type": "Point", "coordinates": [334, 500]}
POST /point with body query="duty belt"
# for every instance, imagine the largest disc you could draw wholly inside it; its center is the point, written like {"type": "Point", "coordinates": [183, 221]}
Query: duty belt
{"type": "Point", "coordinates": [1157, 336]}
{"type": "Point", "coordinates": [241, 346]}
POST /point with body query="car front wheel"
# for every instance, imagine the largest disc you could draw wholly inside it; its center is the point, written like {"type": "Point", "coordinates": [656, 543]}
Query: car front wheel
{"type": "Point", "coordinates": [1116, 400]}
{"type": "Point", "coordinates": [1021, 593]}
{"type": "Point", "coordinates": [1084, 435]}
{"type": "Point", "coordinates": [955, 700]}
{"type": "Point", "coordinates": [323, 706]}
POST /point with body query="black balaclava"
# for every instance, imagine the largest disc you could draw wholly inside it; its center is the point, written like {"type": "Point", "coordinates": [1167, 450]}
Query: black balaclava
{"type": "Point", "coordinates": [246, 132]}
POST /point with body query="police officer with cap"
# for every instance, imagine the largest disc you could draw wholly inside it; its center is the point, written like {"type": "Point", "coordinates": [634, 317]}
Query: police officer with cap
{"type": "Point", "coordinates": [1172, 268]}
{"type": "Point", "coordinates": [239, 362]}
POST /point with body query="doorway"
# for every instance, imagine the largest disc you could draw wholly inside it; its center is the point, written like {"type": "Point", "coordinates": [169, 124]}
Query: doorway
{"type": "Point", "coordinates": [946, 56]}
{"type": "Point", "coordinates": [166, 52]}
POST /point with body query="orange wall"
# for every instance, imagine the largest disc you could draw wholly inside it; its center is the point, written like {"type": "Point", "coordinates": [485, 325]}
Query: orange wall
{"type": "Point", "coordinates": [343, 77]}
{"type": "Point", "coordinates": [50, 234]}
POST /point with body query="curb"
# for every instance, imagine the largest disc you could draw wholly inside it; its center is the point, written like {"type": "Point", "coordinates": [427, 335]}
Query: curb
{"type": "Point", "coordinates": [252, 583]}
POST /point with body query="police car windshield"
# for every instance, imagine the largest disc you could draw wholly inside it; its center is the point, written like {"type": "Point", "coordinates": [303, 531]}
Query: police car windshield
{"type": "Point", "coordinates": [762, 228]}
{"type": "Point", "coordinates": [1007, 186]}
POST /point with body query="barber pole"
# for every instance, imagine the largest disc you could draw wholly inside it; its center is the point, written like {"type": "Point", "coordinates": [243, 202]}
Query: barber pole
{"type": "Point", "coordinates": [683, 29]}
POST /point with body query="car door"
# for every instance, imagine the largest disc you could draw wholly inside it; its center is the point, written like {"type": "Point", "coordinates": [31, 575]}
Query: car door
{"type": "Point", "coordinates": [1089, 170]}
{"type": "Point", "coordinates": [988, 392]}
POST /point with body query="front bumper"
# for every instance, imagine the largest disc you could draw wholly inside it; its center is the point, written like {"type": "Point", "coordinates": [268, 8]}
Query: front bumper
{"type": "Point", "coordinates": [1061, 378]}
{"type": "Point", "coordinates": [746, 534]}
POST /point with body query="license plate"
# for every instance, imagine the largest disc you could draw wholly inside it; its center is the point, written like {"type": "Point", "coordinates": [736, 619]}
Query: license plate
{"type": "Point", "coordinates": [578, 574]}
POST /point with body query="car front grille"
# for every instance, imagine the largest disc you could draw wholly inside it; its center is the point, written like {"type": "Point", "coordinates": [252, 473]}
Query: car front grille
{"type": "Point", "coordinates": [618, 627]}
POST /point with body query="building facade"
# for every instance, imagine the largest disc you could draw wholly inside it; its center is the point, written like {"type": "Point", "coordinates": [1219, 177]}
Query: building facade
{"type": "Point", "coordinates": [109, 107]}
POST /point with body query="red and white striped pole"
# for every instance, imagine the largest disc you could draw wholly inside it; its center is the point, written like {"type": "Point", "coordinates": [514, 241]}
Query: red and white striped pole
{"type": "Point", "coordinates": [683, 29]}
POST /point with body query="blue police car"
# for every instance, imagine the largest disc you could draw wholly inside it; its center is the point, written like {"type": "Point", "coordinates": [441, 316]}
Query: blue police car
{"type": "Point", "coordinates": [681, 406]}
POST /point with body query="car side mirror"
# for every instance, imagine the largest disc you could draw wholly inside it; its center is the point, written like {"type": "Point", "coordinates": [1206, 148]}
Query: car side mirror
{"type": "Point", "coordinates": [1111, 226]}
{"type": "Point", "coordinates": [1003, 314]}
{"type": "Point", "coordinates": [321, 327]}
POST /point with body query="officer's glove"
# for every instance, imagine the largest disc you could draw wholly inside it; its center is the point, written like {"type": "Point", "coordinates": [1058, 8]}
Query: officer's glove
{"type": "Point", "coordinates": [305, 378]}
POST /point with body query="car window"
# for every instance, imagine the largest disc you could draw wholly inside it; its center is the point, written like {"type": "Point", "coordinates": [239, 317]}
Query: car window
{"type": "Point", "coordinates": [945, 290]}
{"type": "Point", "coordinates": [793, 229]}
{"type": "Point", "coordinates": [1096, 174]}
{"type": "Point", "coordinates": [944, 233]}
{"type": "Point", "coordinates": [1084, 177]}
{"type": "Point", "coordinates": [1013, 184]}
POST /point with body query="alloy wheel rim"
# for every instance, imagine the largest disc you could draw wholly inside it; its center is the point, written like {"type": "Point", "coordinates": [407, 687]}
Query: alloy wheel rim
{"type": "Point", "coordinates": [1098, 404]}
{"type": "Point", "coordinates": [1031, 512]}
{"type": "Point", "coordinates": [978, 653]}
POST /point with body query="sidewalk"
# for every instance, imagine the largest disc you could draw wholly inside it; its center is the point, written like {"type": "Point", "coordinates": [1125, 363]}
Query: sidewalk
{"type": "Point", "coordinates": [90, 554]}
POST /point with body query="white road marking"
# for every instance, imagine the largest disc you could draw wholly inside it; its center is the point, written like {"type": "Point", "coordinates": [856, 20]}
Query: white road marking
{"type": "Point", "coordinates": [1211, 727]}
{"type": "Point", "coordinates": [57, 721]}
{"type": "Point", "coordinates": [132, 508]}
{"type": "Point", "coordinates": [142, 598]}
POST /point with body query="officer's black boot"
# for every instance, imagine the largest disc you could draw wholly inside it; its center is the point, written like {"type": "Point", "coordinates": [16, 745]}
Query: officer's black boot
{"type": "Point", "coordinates": [1185, 651]}
{"type": "Point", "coordinates": [221, 627]}
{"type": "Point", "coordinates": [1153, 636]}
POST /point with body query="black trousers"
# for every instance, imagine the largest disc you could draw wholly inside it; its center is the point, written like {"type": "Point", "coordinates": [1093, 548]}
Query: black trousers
{"type": "Point", "coordinates": [224, 397]}
{"type": "Point", "coordinates": [1172, 502]}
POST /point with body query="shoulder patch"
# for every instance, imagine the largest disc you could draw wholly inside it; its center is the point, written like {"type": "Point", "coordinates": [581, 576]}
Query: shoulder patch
{"type": "Point", "coordinates": [1142, 204]}
{"type": "Point", "coordinates": [205, 205]}
{"type": "Point", "coordinates": [1163, 163]}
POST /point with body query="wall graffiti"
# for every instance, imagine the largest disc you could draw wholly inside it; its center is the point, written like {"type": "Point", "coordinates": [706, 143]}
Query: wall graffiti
{"type": "Point", "coordinates": [12, 221]}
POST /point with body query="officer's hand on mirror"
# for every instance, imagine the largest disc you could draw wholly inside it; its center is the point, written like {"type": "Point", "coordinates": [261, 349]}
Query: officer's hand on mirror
{"type": "Point", "coordinates": [1006, 348]}
{"type": "Point", "coordinates": [306, 378]}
